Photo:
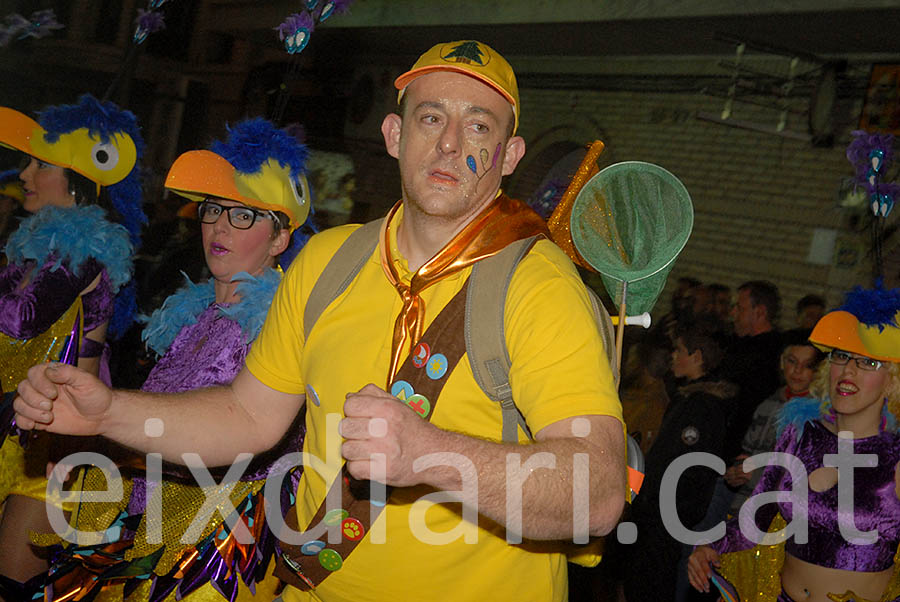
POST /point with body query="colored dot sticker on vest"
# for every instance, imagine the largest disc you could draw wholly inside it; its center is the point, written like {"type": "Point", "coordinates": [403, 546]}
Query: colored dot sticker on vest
{"type": "Point", "coordinates": [312, 396]}
{"type": "Point", "coordinates": [437, 366]}
{"type": "Point", "coordinates": [419, 404]}
{"type": "Point", "coordinates": [334, 517]}
{"type": "Point", "coordinates": [421, 354]}
{"type": "Point", "coordinates": [352, 529]}
{"type": "Point", "coordinates": [402, 390]}
{"type": "Point", "coordinates": [312, 548]}
{"type": "Point", "coordinates": [331, 560]}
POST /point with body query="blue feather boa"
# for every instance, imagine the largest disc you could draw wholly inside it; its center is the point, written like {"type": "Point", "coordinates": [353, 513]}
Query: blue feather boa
{"type": "Point", "coordinates": [72, 235]}
{"type": "Point", "coordinates": [798, 412]}
{"type": "Point", "coordinates": [184, 307]}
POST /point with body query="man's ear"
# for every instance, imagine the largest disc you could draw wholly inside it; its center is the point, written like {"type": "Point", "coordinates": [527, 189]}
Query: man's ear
{"type": "Point", "coordinates": [697, 358]}
{"type": "Point", "coordinates": [390, 129]}
{"type": "Point", "coordinates": [280, 242]}
{"type": "Point", "coordinates": [515, 150]}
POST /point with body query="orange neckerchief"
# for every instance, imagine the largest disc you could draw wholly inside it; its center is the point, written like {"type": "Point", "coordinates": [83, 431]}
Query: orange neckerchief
{"type": "Point", "coordinates": [502, 222]}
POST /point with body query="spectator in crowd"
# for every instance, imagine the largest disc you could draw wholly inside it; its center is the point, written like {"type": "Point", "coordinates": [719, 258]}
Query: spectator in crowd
{"type": "Point", "coordinates": [643, 390]}
{"type": "Point", "coordinates": [695, 421]}
{"type": "Point", "coordinates": [799, 362]}
{"type": "Point", "coordinates": [721, 300]}
{"type": "Point", "coordinates": [752, 360]}
{"type": "Point", "coordinates": [809, 310]}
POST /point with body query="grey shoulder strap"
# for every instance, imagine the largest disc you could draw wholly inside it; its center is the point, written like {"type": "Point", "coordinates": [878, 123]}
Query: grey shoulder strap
{"type": "Point", "coordinates": [340, 271]}
{"type": "Point", "coordinates": [485, 339]}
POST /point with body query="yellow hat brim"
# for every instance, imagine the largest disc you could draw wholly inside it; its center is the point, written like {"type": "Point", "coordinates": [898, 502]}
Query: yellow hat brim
{"type": "Point", "coordinates": [17, 129]}
{"type": "Point", "coordinates": [842, 330]}
{"type": "Point", "coordinates": [197, 175]}
{"type": "Point", "coordinates": [73, 150]}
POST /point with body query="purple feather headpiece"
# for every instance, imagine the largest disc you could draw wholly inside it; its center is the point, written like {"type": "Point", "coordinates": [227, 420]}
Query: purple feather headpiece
{"type": "Point", "coordinates": [147, 22]}
{"type": "Point", "coordinates": [297, 28]}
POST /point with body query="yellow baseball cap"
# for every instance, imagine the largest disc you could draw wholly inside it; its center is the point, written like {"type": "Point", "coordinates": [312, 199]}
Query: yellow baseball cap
{"type": "Point", "coordinates": [472, 58]}
{"type": "Point", "coordinates": [199, 174]}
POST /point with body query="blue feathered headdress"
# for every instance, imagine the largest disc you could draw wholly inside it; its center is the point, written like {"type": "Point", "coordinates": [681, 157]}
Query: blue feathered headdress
{"type": "Point", "coordinates": [254, 142]}
{"type": "Point", "coordinates": [873, 307]}
{"type": "Point", "coordinates": [103, 120]}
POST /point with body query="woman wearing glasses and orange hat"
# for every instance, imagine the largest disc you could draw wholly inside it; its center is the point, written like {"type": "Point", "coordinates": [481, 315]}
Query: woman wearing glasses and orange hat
{"type": "Point", "coordinates": [252, 194]}
{"type": "Point", "coordinates": [854, 406]}
{"type": "Point", "coordinates": [69, 265]}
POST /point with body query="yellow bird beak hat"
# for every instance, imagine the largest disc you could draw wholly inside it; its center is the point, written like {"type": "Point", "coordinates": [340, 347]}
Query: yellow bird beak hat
{"type": "Point", "coordinates": [96, 139]}
{"type": "Point", "coordinates": [258, 165]}
{"type": "Point", "coordinates": [868, 323]}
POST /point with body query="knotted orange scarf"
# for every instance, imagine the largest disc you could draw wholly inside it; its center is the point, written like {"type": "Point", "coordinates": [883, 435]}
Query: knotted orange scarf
{"type": "Point", "coordinates": [502, 222]}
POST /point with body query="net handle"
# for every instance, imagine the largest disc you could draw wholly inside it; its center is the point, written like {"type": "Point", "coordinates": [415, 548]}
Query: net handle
{"type": "Point", "coordinates": [620, 330]}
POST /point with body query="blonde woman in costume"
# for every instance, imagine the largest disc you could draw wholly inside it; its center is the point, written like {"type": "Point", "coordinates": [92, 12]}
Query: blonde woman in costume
{"type": "Point", "coordinates": [68, 266]}
{"type": "Point", "coordinates": [855, 400]}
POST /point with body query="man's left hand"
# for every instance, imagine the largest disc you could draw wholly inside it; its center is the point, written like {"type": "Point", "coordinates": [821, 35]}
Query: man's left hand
{"type": "Point", "coordinates": [378, 423]}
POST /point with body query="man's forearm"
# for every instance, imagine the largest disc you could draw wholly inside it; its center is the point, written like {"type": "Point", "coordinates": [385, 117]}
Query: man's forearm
{"type": "Point", "coordinates": [567, 485]}
{"type": "Point", "coordinates": [195, 422]}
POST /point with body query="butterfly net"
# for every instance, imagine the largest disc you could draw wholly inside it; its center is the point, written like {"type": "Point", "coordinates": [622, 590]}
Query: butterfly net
{"type": "Point", "coordinates": [629, 222]}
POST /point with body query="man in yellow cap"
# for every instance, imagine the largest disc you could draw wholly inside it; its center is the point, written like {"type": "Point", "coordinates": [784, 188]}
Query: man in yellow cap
{"type": "Point", "coordinates": [408, 492]}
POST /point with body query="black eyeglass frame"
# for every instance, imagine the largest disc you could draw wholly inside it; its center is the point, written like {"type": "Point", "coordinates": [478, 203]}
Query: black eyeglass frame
{"type": "Point", "coordinates": [257, 214]}
{"type": "Point", "coordinates": [839, 357]}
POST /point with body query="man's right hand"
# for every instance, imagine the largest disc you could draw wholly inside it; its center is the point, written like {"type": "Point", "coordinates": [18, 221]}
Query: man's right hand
{"type": "Point", "coordinates": [62, 399]}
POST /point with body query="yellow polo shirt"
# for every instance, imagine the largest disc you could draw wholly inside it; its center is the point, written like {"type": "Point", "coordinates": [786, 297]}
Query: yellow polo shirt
{"type": "Point", "coordinates": [559, 370]}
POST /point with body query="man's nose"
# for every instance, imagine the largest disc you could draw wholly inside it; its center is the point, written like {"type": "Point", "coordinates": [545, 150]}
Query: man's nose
{"type": "Point", "coordinates": [449, 142]}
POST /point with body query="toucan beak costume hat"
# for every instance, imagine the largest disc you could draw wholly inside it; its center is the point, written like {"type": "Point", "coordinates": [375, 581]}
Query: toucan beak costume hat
{"type": "Point", "coordinates": [96, 139]}
{"type": "Point", "coordinates": [866, 324]}
{"type": "Point", "coordinates": [258, 165]}
{"type": "Point", "coordinates": [471, 58]}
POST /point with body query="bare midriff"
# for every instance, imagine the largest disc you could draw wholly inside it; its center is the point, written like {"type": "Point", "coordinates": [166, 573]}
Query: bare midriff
{"type": "Point", "coordinates": [805, 582]}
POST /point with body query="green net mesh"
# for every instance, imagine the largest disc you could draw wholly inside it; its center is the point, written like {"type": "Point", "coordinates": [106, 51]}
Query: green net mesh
{"type": "Point", "coordinates": [629, 222]}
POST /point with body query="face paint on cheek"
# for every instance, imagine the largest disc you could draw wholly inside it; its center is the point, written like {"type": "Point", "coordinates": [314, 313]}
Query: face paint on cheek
{"type": "Point", "coordinates": [470, 161]}
{"type": "Point", "coordinates": [496, 155]}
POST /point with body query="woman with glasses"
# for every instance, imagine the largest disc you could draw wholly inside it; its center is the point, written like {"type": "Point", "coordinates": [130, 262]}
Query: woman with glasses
{"type": "Point", "coordinates": [66, 284]}
{"type": "Point", "coordinates": [251, 194]}
{"type": "Point", "coordinates": [853, 409]}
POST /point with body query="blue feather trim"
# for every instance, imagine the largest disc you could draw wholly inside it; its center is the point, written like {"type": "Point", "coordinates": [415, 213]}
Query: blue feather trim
{"type": "Point", "coordinates": [251, 143]}
{"type": "Point", "coordinates": [73, 235]}
{"type": "Point", "coordinates": [873, 307]}
{"type": "Point", "coordinates": [178, 310]}
{"type": "Point", "coordinates": [798, 412]}
{"type": "Point", "coordinates": [256, 297]}
{"type": "Point", "coordinates": [184, 307]}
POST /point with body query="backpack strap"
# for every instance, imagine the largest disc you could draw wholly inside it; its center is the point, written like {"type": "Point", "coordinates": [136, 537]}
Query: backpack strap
{"type": "Point", "coordinates": [340, 271]}
{"type": "Point", "coordinates": [485, 339]}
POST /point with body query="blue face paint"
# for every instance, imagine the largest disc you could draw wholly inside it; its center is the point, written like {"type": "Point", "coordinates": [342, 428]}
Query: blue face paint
{"type": "Point", "coordinates": [470, 161]}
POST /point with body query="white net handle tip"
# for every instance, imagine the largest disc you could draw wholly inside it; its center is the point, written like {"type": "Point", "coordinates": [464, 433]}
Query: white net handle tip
{"type": "Point", "coordinates": [639, 320]}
